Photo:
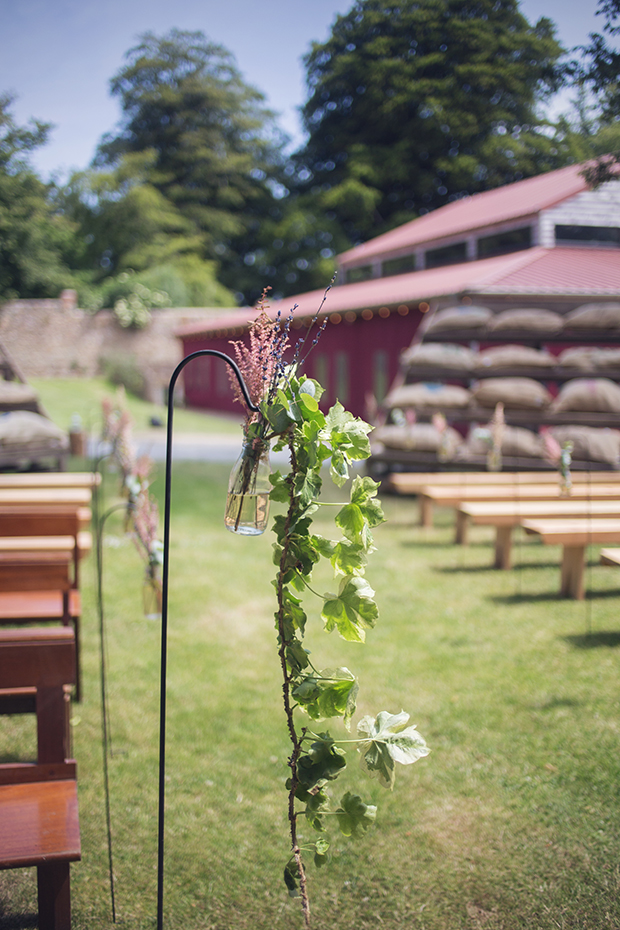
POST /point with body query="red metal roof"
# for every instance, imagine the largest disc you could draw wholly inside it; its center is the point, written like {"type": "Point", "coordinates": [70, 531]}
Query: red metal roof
{"type": "Point", "coordinates": [502, 204]}
{"type": "Point", "coordinates": [578, 272]}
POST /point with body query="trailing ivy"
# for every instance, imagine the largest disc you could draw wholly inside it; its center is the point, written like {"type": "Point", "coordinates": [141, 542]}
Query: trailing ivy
{"type": "Point", "coordinates": [317, 759]}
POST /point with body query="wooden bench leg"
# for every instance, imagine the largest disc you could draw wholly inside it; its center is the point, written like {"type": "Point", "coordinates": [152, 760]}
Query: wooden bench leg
{"type": "Point", "coordinates": [426, 510]}
{"type": "Point", "coordinates": [571, 583]}
{"type": "Point", "coordinates": [503, 547]}
{"type": "Point", "coordinates": [54, 896]}
{"type": "Point", "coordinates": [462, 527]}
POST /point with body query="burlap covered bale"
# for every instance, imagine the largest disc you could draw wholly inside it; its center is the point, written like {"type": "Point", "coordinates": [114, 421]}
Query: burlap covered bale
{"type": "Point", "coordinates": [516, 442]}
{"type": "Point", "coordinates": [590, 358]}
{"type": "Point", "coordinates": [460, 317]}
{"type": "Point", "coordinates": [428, 395]}
{"type": "Point", "coordinates": [590, 443]}
{"type": "Point", "coordinates": [14, 392]}
{"type": "Point", "coordinates": [513, 393]}
{"type": "Point", "coordinates": [595, 395]}
{"type": "Point", "coordinates": [439, 355]}
{"type": "Point", "coordinates": [421, 437]}
{"type": "Point", "coordinates": [594, 316]}
{"type": "Point", "coordinates": [528, 319]}
{"type": "Point", "coordinates": [515, 356]}
{"type": "Point", "coordinates": [21, 428]}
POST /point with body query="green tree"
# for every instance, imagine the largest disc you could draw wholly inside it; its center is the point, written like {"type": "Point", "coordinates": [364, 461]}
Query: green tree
{"type": "Point", "coordinates": [215, 151]}
{"type": "Point", "coordinates": [32, 237]}
{"type": "Point", "coordinates": [413, 103]}
{"type": "Point", "coordinates": [598, 73]}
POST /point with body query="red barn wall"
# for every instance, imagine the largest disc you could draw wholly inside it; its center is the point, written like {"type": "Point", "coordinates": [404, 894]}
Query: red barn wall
{"type": "Point", "coordinates": [353, 360]}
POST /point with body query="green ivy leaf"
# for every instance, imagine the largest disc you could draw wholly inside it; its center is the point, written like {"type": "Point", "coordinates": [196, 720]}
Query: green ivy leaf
{"type": "Point", "coordinates": [387, 740]}
{"type": "Point", "coordinates": [280, 488]}
{"type": "Point", "coordinates": [331, 693]}
{"type": "Point", "coordinates": [291, 877]}
{"type": "Point", "coordinates": [352, 610]}
{"type": "Point", "coordinates": [356, 518]}
{"type": "Point", "coordinates": [354, 817]}
{"type": "Point", "coordinates": [277, 415]}
{"type": "Point", "coordinates": [317, 803]}
{"type": "Point", "coordinates": [320, 852]}
{"type": "Point", "coordinates": [349, 558]}
{"type": "Point", "coordinates": [323, 762]}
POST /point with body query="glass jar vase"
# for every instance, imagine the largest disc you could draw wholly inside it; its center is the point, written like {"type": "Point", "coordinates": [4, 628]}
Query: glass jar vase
{"type": "Point", "coordinates": [247, 503]}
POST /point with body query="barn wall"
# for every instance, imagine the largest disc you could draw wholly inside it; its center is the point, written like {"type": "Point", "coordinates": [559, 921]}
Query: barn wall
{"type": "Point", "coordinates": [353, 360]}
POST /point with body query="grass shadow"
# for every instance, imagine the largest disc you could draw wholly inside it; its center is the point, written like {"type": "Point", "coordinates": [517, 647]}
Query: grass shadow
{"type": "Point", "coordinates": [542, 596]}
{"type": "Point", "coordinates": [605, 639]}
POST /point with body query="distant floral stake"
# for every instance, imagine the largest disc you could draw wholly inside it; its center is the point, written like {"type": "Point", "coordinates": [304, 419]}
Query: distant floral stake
{"type": "Point", "coordinates": [289, 414]}
{"type": "Point", "coordinates": [561, 456]}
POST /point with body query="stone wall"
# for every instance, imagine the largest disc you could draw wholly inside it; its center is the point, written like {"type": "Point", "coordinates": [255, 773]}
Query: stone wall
{"type": "Point", "coordinates": [55, 339]}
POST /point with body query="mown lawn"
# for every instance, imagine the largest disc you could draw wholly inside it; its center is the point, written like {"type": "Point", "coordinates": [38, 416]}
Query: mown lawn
{"type": "Point", "coordinates": [512, 822]}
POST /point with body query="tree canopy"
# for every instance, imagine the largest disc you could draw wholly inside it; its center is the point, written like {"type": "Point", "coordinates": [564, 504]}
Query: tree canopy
{"type": "Point", "coordinates": [216, 152]}
{"type": "Point", "coordinates": [412, 102]}
{"type": "Point", "coordinates": [32, 238]}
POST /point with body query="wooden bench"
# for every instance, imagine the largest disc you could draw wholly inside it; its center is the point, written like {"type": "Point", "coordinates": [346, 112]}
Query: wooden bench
{"type": "Point", "coordinates": [454, 496]}
{"type": "Point", "coordinates": [506, 515]}
{"type": "Point", "coordinates": [610, 556]}
{"type": "Point", "coordinates": [38, 801]}
{"type": "Point", "coordinates": [574, 535]}
{"type": "Point", "coordinates": [36, 585]}
{"type": "Point", "coordinates": [411, 483]}
{"type": "Point", "coordinates": [50, 479]}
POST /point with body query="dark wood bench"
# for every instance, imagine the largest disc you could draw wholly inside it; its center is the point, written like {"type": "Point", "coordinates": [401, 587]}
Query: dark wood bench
{"type": "Point", "coordinates": [36, 586]}
{"type": "Point", "coordinates": [38, 800]}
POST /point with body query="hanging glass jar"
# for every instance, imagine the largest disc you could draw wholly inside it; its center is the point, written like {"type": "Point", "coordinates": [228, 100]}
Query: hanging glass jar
{"type": "Point", "coordinates": [247, 504]}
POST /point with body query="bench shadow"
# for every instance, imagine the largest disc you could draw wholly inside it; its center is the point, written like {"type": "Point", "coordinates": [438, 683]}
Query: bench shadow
{"type": "Point", "coordinates": [605, 639]}
{"type": "Point", "coordinates": [542, 596]}
{"type": "Point", "coordinates": [18, 921]}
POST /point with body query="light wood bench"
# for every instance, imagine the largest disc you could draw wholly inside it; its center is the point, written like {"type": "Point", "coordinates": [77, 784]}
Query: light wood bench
{"type": "Point", "coordinates": [506, 515]}
{"type": "Point", "coordinates": [574, 535]}
{"type": "Point", "coordinates": [411, 483]}
{"type": "Point", "coordinates": [38, 801]}
{"type": "Point", "coordinates": [454, 496]}
{"type": "Point", "coordinates": [51, 479]}
{"type": "Point", "coordinates": [610, 556]}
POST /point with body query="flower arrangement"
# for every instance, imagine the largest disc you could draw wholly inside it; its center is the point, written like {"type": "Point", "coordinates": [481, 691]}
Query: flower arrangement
{"type": "Point", "coordinates": [290, 416]}
{"type": "Point", "coordinates": [142, 512]}
{"type": "Point", "coordinates": [561, 456]}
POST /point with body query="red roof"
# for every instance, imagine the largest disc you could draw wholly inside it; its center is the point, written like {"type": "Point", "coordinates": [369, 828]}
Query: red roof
{"type": "Point", "coordinates": [502, 204]}
{"type": "Point", "coordinates": [571, 272]}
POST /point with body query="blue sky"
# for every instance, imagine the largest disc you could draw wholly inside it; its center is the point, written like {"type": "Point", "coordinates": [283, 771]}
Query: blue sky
{"type": "Point", "coordinates": [57, 56]}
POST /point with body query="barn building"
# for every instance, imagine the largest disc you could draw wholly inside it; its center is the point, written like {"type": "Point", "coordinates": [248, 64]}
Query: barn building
{"type": "Point", "coordinates": [547, 242]}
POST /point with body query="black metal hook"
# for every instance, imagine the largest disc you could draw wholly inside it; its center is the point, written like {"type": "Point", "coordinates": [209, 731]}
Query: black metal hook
{"type": "Point", "coordinates": [164, 607]}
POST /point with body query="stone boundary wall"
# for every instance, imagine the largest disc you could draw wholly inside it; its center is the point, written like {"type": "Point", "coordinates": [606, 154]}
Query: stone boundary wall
{"type": "Point", "coordinates": [55, 339]}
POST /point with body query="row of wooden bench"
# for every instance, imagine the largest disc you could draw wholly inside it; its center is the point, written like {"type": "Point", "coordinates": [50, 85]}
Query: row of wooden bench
{"type": "Point", "coordinates": [588, 514]}
{"type": "Point", "coordinates": [43, 537]}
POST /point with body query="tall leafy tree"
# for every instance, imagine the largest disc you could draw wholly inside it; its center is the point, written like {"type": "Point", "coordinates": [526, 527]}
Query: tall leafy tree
{"type": "Point", "coordinates": [33, 238]}
{"type": "Point", "coordinates": [216, 150]}
{"type": "Point", "coordinates": [413, 102]}
{"type": "Point", "coordinates": [598, 73]}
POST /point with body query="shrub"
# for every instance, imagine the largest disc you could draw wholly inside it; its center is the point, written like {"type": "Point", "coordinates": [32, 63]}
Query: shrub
{"type": "Point", "coordinates": [121, 368]}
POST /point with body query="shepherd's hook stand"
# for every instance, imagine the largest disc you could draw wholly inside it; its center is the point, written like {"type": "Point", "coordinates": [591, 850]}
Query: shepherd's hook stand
{"type": "Point", "coordinates": [164, 605]}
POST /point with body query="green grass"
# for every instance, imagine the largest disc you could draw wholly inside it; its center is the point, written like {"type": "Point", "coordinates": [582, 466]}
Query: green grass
{"type": "Point", "coordinates": [513, 820]}
{"type": "Point", "coordinates": [63, 397]}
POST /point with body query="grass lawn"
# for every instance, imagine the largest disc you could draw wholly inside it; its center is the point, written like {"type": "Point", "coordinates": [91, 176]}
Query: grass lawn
{"type": "Point", "coordinates": [512, 822]}
{"type": "Point", "coordinates": [63, 397]}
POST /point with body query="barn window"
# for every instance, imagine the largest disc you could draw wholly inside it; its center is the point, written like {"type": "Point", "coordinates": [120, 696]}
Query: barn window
{"type": "Point", "coordinates": [398, 265]}
{"type": "Point", "coordinates": [321, 372]}
{"type": "Point", "coordinates": [362, 273]}
{"type": "Point", "coordinates": [601, 235]}
{"type": "Point", "coordinates": [447, 255]}
{"type": "Point", "coordinates": [501, 243]}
